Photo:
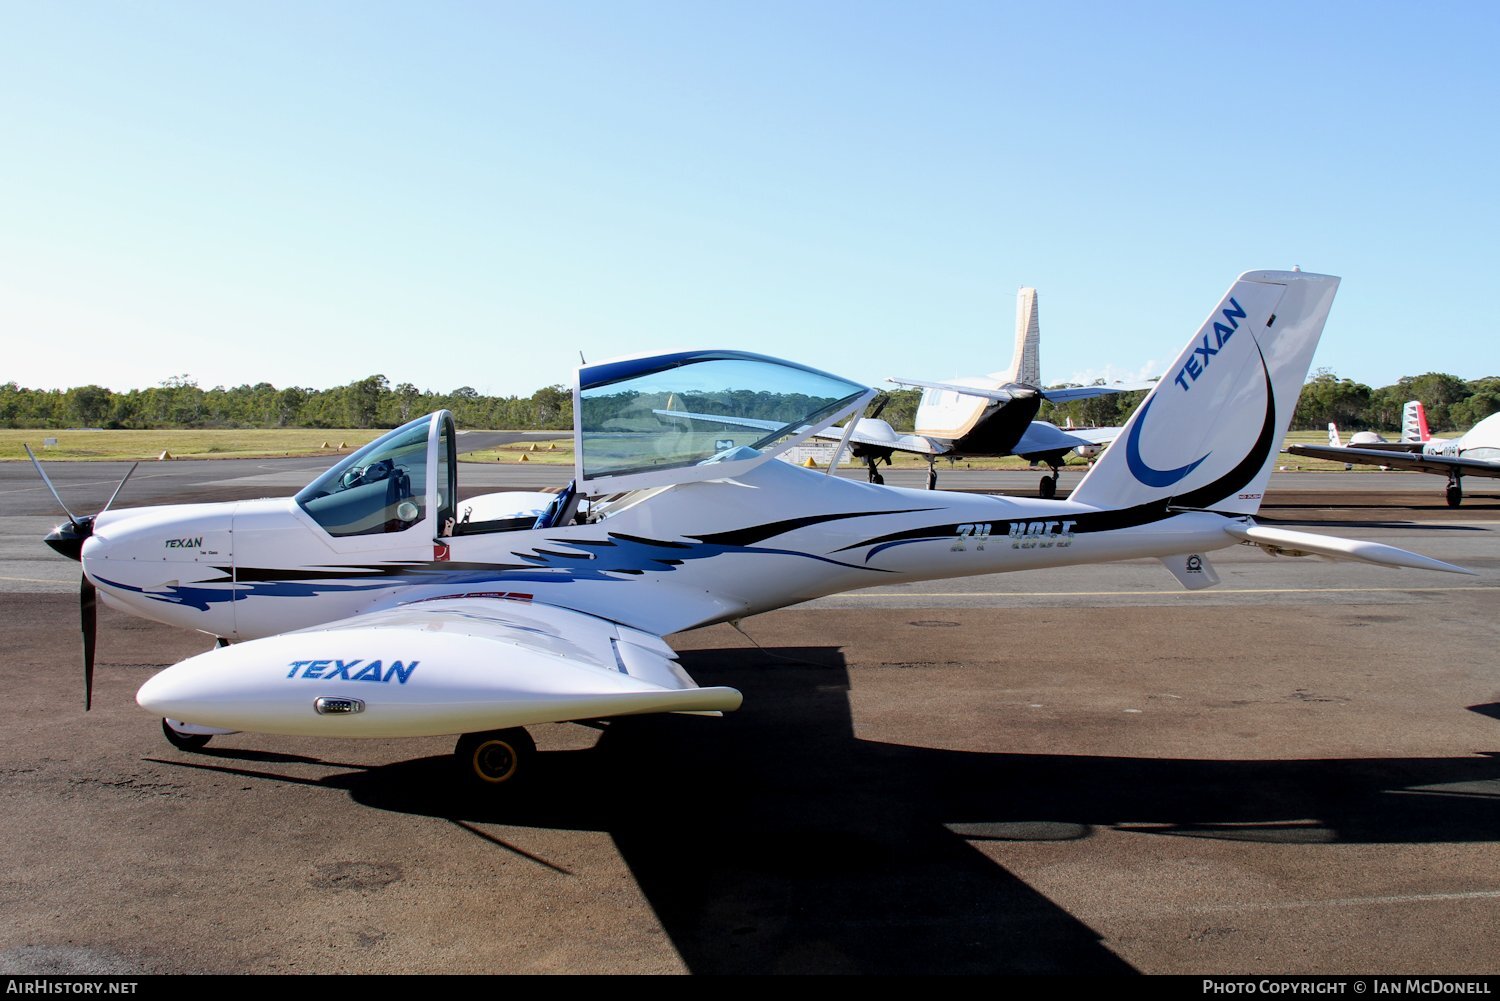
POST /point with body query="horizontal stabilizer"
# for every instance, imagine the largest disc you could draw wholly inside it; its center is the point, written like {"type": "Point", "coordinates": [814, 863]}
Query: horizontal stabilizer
{"type": "Point", "coordinates": [1071, 393]}
{"type": "Point", "coordinates": [995, 395]}
{"type": "Point", "coordinates": [1285, 542]}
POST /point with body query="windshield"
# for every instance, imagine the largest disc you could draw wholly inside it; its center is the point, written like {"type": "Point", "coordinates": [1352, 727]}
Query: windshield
{"type": "Point", "coordinates": [671, 411]}
{"type": "Point", "coordinates": [380, 488]}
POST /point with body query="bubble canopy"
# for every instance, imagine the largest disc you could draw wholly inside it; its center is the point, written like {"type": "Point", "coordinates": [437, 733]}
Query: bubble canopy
{"type": "Point", "coordinates": [696, 415]}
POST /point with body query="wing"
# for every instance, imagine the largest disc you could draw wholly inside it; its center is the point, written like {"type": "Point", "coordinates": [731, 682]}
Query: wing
{"type": "Point", "coordinates": [453, 665]}
{"type": "Point", "coordinates": [1440, 464]}
{"type": "Point", "coordinates": [1096, 436]}
{"type": "Point", "coordinates": [1386, 446]}
{"type": "Point", "coordinates": [1089, 392]}
{"type": "Point", "coordinates": [1041, 436]}
{"type": "Point", "coordinates": [873, 431]}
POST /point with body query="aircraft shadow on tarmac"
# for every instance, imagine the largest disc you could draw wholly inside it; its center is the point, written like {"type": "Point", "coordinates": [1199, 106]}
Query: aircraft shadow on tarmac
{"type": "Point", "coordinates": [774, 840]}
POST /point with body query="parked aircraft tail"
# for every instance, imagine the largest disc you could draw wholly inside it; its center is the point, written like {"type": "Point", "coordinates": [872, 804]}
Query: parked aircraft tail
{"type": "Point", "coordinates": [1207, 436]}
{"type": "Point", "coordinates": [1414, 422]}
{"type": "Point", "coordinates": [1025, 361]}
{"type": "Point", "coordinates": [1333, 435]}
{"type": "Point", "coordinates": [950, 410]}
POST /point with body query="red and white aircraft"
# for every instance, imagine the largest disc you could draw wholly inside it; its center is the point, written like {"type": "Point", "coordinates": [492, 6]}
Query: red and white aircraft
{"type": "Point", "coordinates": [1476, 453]}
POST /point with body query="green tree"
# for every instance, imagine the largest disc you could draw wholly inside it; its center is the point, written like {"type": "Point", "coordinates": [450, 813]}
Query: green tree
{"type": "Point", "coordinates": [362, 400]}
{"type": "Point", "coordinates": [406, 396]}
{"type": "Point", "coordinates": [1483, 400]}
{"type": "Point", "coordinates": [1438, 391]}
{"type": "Point", "coordinates": [1327, 399]}
{"type": "Point", "coordinates": [551, 406]}
{"type": "Point", "coordinates": [89, 406]}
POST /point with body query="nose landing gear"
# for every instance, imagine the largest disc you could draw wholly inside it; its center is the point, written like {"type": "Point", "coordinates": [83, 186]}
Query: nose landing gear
{"type": "Point", "coordinates": [183, 740]}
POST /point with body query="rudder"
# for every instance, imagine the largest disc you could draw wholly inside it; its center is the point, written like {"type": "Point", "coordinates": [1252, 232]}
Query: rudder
{"type": "Point", "coordinates": [1027, 363]}
{"type": "Point", "coordinates": [1414, 422]}
{"type": "Point", "coordinates": [1208, 434]}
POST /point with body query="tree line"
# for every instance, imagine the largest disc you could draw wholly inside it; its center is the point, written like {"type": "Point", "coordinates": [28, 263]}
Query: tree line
{"type": "Point", "coordinates": [372, 402]}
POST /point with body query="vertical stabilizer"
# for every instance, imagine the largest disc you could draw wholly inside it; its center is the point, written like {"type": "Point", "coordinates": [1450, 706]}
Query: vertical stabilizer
{"type": "Point", "coordinates": [1025, 360]}
{"type": "Point", "coordinates": [1333, 435]}
{"type": "Point", "coordinates": [944, 413]}
{"type": "Point", "coordinates": [1207, 435]}
{"type": "Point", "coordinates": [1414, 422]}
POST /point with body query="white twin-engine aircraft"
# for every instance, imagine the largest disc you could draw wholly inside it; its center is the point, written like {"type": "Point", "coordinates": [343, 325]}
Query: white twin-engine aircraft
{"type": "Point", "coordinates": [375, 604]}
{"type": "Point", "coordinates": [993, 415]}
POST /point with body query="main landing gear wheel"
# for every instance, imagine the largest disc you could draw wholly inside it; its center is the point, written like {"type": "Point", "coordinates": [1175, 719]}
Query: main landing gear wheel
{"type": "Point", "coordinates": [1048, 488]}
{"type": "Point", "coordinates": [184, 741]}
{"type": "Point", "coordinates": [496, 758]}
{"type": "Point", "coordinates": [931, 477]}
{"type": "Point", "coordinates": [1454, 494]}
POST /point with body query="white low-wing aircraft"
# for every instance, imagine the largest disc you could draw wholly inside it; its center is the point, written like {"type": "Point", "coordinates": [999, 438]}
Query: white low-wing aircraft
{"type": "Point", "coordinates": [1476, 453]}
{"type": "Point", "coordinates": [373, 604]}
{"type": "Point", "coordinates": [993, 415]}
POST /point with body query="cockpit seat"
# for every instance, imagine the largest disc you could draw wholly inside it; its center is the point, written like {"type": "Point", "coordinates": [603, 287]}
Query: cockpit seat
{"type": "Point", "coordinates": [560, 511]}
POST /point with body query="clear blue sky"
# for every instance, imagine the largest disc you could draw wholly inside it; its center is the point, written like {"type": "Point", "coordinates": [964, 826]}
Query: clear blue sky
{"type": "Point", "coordinates": [471, 193]}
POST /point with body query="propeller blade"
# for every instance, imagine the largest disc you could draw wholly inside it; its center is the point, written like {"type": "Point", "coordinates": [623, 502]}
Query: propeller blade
{"type": "Point", "coordinates": [88, 614]}
{"type": "Point", "coordinates": [47, 480]}
{"type": "Point", "coordinates": [133, 468]}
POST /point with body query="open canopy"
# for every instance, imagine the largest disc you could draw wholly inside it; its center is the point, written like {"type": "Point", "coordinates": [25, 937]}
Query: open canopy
{"type": "Point", "coordinates": [697, 415]}
{"type": "Point", "coordinates": [401, 480]}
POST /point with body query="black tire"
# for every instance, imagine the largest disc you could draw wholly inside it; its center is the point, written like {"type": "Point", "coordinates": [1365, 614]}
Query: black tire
{"type": "Point", "coordinates": [184, 741]}
{"type": "Point", "coordinates": [931, 478]}
{"type": "Point", "coordinates": [1454, 495]}
{"type": "Point", "coordinates": [1048, 488]}
{"type": "Point", "coordinates": [876, 478]}
{"type": "Point", "coordinates": [495, 759]}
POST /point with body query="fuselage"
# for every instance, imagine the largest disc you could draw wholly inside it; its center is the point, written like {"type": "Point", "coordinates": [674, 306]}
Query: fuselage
{"type": "Point", "coordinates": [659, 560]}
{"type": "Point", "coordinates": [969, 425]}
{"type": "Point", "coordinates": [1481, 442]}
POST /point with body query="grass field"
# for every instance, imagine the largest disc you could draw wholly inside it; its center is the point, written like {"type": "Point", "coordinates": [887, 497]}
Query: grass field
{"type": "Point", "coordinates": [248, 443]}
{"type": "Point", "coordinates": [257, 443]}
{"type": "Point", "coordinates": [553, 452]}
